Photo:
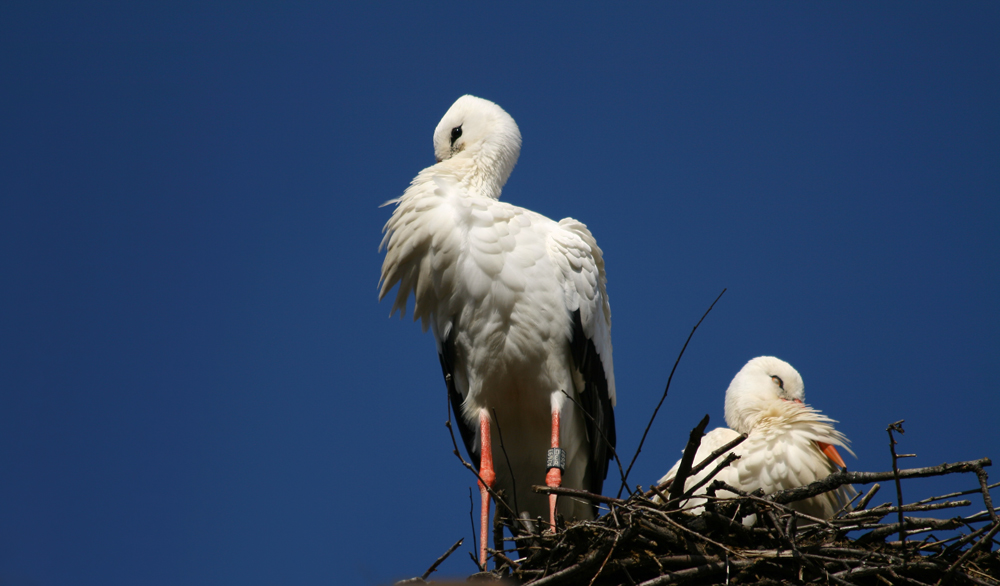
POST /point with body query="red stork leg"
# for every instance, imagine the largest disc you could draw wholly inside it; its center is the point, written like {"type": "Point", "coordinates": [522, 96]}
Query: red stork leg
{"type": "Point", "coordinates": [487, 475]}
{"type": "Point", "coordinates": [556, 463]}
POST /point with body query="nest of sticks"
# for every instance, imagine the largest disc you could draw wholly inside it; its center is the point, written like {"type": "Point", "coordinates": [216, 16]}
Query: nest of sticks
{"type": "Point", "coordinates": [647, 539]}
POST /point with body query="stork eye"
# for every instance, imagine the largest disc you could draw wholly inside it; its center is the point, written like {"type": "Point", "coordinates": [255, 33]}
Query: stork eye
{"type": "Point", "coordinates": [456, 133]}
{"type": "Point", "coordinates": [777, 380]}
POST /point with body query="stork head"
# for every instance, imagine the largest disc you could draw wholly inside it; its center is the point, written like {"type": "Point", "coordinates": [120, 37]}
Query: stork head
{"type": "Point", "coordinates": [482, 140]}
{"type": "Point", "coordinates": [759, 386]}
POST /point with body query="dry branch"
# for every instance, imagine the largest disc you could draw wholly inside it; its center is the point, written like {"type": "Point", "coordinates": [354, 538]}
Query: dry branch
{"type": "Point", "coordinates": [670, 378]}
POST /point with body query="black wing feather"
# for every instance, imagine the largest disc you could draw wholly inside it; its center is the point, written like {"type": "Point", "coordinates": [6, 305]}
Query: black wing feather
{"type": "Point", "coordinates": [468, 433]}
{"type": "Point", "coordinates": [596, 402]}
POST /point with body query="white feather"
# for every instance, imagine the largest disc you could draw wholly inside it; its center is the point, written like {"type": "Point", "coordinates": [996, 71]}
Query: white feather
{"type": "Point", "coordinates": [780, 451]}
{"type": "Point", "coordinates": [507, 280]}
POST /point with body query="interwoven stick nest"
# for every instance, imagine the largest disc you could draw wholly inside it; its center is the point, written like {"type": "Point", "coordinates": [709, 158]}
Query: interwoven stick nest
{"type": "Point", "coordinates": [647, 540]}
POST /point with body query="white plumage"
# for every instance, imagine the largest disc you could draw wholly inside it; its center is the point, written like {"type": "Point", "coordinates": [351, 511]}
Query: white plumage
{"type": "Point", "coordinates": [788, 443]}
{"type": "Point", "coordinates": [518, 307]}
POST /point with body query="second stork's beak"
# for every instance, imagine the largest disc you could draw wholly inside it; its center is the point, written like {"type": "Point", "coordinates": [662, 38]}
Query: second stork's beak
{"type": "Point", "coordinates": [832, 453]}
{"type": "Point", "coordinates": [828, 449]}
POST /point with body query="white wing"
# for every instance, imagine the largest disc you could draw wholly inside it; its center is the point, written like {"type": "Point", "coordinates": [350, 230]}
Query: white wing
{"type": "Point", "coordinates": [422, 246]}
{"type": "Point", "coordinates": [781, 453]}
{"type": "Point", "coordinates": [581, 263]}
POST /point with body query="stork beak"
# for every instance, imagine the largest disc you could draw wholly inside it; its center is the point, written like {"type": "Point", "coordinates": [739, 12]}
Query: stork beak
{"type": "Point", "coordinates": [832, 453]}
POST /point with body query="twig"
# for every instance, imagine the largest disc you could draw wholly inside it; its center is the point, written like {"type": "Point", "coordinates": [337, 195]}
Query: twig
{"type": "Point", "coordinates": [874, 570]}
{"type": "Point", "coordinates": [577, 492]}
{"type": "Point", "coordinates": [696, 572]}
{"type": "Point", "coordinates": [966, 539]}
{"type": "Point", "coordinates": [915, 524]}
{"type": "Point", "coordinates": [987, 499]}
{"type": "Point", "coordinates": [846, 506]}
{"type": "Point", "coordinates": [513, 481]}
{"type": "Point", "coordinates": [843, 477]}
{"type": "Point", "coordinates": [437, 563]}
{"type": "Point", "coordinates": [986, 538]}
{"type": "Point", "coordinates": [711, 457]}
{"type": "Point", "coordinates": [458, 455]}
{"type": "Point", "coordinates": [694, 441]}
{"type": "Point", "coordinates": [654, 491]}
{"type": "Point", "coordinates": [472, 522]}
{"type": "Point", "coordinates": [499, 555]}
{"type": "Point", "coordinates": [766, 501]}
{"type": "Point", "coordinates": [574, 573]}
{"type": "Point", "coordinates": [954, 494]}
{"type": "Point", "coordinates": [729, 459]}
{"type": "Point", "coordinates": [604, 437]}
{"type": "Point", "coordinates": [666, 390]}
{"type": "Point", "coordinates": [868, 497]}
{"type": "Point", "coordinates": [498, 524]}
{"type": "Point", "coordinates": [605, 562]}
{"type": "Point", "coordinates": [906, 508]}
{"type": "Point", "coordinates": [898, 426]}
{"type": "Point", "coordinates": [695, 533]}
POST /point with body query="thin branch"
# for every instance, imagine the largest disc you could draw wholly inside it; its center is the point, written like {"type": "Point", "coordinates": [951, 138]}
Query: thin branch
{"type": "Point", "coordinates": [471, 468]}
{"type": "Point", "coordinates": [954, 494]}
{"type": "Point", "coordinates": [874, 571]}
{"type": "Point", "coordinates": [898, 426]}
{"type": "Point", "coordinates": [843, 477]}
{"type": "Point", "coordinates": [868, 497]}
{"type": "Point", "coordinates": [604, 437]}
{"type": "Point", "coordinates": [472, 522]}
{"type": "Point", "coordinates": [574, 573]}
{"type": "Point", "coordinates": [967, 539]}
{"type": "Point", "coordinates": [700, 572]}
{"type": "Point", "coordinates": [437, 563]}
{"type": "Point", "coordinates": [729, 459]}
{"type": "Point", "coordinates": [846, 506]}
{"type": "Point", "coordinates": [968, 553]}
{"type": "Point", "coordinates": [694, 441]}
{"type": "Point", "coordinates": [695, 533]}
{"type": "Point", "coordinates": [605, 562]}
{"type": "Point", "coordinates": [666, 390]}
{"type": "Point", "coordinates": [987, 500]}
{"type": "Point", "coordinates": [914, 524]}
{"type": "Point", "coordinates": [906, 509]}
{"type": "Point", "coordinates": [711, 457]}
{"type": "Point", "coordinates": [498, 525]}
{"type": "Point", "coordinates": [499, 555]}
{"type": "Point", "coordinates": [513, 481]}
{"type": "Point", "coordinates": [579, 493]}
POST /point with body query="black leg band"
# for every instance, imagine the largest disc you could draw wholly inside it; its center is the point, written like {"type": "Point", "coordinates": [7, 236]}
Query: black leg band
{"type": "Point", "coordinates": [556, 459]}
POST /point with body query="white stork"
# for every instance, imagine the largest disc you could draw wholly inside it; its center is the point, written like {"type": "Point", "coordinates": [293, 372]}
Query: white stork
{"type": "Point", "coordinates": [788, 443]}
{"type": "Point", "coordinates": [520, 315]}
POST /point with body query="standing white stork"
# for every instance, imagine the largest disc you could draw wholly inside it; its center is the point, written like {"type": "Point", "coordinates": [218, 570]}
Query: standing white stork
{"type": "Point", "coordinates": [520, 315]}
{"type": "Point", "coordinates": [788, 443]}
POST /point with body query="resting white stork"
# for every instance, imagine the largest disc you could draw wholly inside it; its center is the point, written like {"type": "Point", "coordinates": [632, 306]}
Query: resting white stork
{"type": "Point", "coordinates": [520, 315]}
{"type": "Point", "coordinates": [788, 443]}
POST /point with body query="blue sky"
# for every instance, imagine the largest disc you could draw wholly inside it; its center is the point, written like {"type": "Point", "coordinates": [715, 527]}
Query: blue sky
{"type": "Point", "coordinates": [197, 384]}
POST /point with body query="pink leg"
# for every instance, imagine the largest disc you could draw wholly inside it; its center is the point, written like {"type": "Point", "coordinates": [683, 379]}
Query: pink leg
{"type": "Point", "coordinates": [488, 476]}
{"type": "Point", "coordinates": [553, 477]}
